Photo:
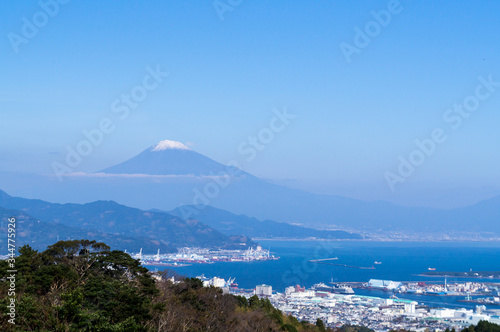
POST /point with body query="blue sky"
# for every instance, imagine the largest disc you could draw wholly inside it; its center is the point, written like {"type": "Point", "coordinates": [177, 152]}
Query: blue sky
{"type": "Point", "coordinates": [226, 76]}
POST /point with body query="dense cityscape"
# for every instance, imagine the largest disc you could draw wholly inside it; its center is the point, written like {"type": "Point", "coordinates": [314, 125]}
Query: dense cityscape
{"type": "Point", "coordinates": [380, 314]}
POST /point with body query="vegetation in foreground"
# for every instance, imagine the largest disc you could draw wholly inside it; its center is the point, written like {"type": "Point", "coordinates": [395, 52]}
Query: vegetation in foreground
{"type": "Point", "coordinates": [82, 285]}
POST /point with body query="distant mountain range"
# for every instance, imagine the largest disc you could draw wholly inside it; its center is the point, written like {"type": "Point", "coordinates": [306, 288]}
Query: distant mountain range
{"type": "Point", "coordinates": [169, 174]}
{"type": "Point", "coordinates": [40, 223]}
{"type": "Point", "coordinates": [230, 223]}
{"type": "Point", "coordinates": [39, 234]}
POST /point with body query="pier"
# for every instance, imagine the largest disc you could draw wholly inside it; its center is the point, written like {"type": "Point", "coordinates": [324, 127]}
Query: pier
{"type": "Point", "coordinates": [326, 261]}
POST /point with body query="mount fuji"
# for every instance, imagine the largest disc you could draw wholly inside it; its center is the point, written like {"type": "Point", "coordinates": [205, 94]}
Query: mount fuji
{"type": "Point", "coordinates": [243, 193]}
{"type": "Point", "coordinates": [168, 175]}
{"type": "Point", "coordinates": [168, 158]}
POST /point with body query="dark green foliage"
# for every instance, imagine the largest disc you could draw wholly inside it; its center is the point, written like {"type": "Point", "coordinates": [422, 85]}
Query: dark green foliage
{"type": "Point", "coordinates": [321, 326]}
{"type": "Point", "coordinates": [193, 283]}
{"type": "Point", "coordinates": [79, 285]}
{"type": "Point", "coordinates": [483, 326]}
{"type": "Point", "coordinates": [254, 302]}
{"type": "Point", "coordinates": [82, 285]}
{"type": "Point", "coordinates": [289, 328]}
{"type": "Point", "coordinates": [242, 301]}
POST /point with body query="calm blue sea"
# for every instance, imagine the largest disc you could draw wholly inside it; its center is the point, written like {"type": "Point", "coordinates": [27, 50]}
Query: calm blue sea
{"type": "Point", "coordinates": [401, 261]}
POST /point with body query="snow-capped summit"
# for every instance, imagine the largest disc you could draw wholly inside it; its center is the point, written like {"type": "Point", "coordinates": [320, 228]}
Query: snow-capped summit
{"type": "Point", "coordinates": [168, 158]}
{"type": "Point", "coordinates": [167, 145]}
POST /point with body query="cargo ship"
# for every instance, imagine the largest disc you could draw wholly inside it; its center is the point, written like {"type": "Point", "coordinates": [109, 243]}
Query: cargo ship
{"type": "Point", "coordinates": [335, 288]}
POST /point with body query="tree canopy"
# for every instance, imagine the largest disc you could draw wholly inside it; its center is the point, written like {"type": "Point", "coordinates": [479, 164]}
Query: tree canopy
{"type": "Point", "coordinates": [83, 285]}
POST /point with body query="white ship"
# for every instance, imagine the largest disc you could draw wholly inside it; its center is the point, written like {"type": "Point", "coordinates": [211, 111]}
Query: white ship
{"type": "Point", "coordinates": [336, 288]}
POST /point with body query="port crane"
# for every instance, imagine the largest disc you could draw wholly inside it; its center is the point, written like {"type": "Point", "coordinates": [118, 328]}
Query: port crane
{"type": "Point", "coordinates": [139, 255]}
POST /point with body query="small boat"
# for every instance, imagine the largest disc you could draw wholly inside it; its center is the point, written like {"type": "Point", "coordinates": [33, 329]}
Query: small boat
{"type": "Point", "coordinates": [432, 269]}
{"type": "Point", "coordinates": [377, 263]}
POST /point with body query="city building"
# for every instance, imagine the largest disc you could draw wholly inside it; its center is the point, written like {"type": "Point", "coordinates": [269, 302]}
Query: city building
{"type": "Point", "coordinates": [265, 290]}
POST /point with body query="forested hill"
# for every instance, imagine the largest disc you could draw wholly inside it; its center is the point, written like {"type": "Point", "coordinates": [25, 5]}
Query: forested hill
{"type": "Point", "coordinates": [83, 285]}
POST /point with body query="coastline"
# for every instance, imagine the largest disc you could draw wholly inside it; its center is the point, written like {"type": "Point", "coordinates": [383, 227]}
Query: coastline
{"type": "Point", "coordinates": [389, 240]}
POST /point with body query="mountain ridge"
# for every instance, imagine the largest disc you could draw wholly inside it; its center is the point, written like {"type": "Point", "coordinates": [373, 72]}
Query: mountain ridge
{"type": "Point", "coordinates": [230, 223]}
{"type": "Point", "coordinates": [39, 234]}
{"type": "Point", "coordinates": [109, 217]}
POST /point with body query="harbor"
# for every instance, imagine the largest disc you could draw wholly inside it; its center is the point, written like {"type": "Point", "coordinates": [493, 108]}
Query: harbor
{"type": "Point", "coordinates": [457, 293]}
{"type": "Point", "coordinates": [188, 256]}
{"type": "Point", "coordinates": [337, 305]}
